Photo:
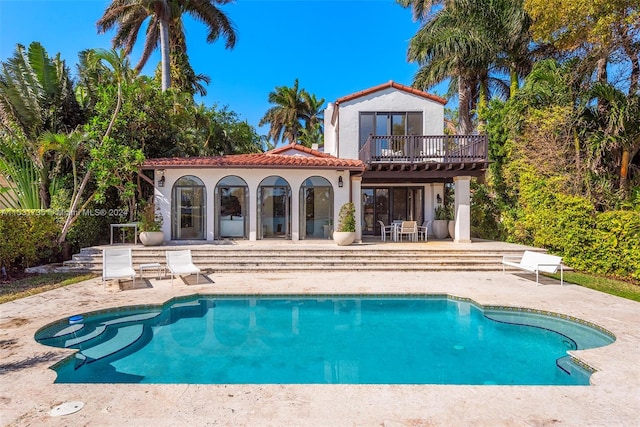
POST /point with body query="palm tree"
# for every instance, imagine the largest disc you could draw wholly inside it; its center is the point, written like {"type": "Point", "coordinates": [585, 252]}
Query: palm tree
{"type": "Point", "coordinates": [69, 146]}
{"type": "Point", "coordinates": [310, 137]}
{"type": "Point", "coordinates": [284, 118]}
{"type": "Point", "coordinates": [293, 108]}
{"type": "Point", "coordinates": [37, 95]}
{"type": "Point", "coordinates": [615, 116]}
{"type": "Point", "coordinates": [313, 114]}
{"type": "Point", "coordinates": [165, 27]}
{"type": "Point", "coordinates": [466, 41]}
{"type": "Point", "coordinates": [448, 46]}
{"type": "Point", "coordinates": [420, 8]}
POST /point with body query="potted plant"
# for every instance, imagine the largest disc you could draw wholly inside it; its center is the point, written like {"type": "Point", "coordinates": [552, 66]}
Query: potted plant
{"type": "Point", "coordinates": [345, 233]}
{"type": "Point", "coordinates": [441, 222]}
{"type": "Point", "coordinates": [150, 226]}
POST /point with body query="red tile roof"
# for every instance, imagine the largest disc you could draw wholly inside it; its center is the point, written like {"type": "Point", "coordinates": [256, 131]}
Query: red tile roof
{"type": "Point", "coordinates": [273, 159]}
{"type": "Point", "coordinates": [391, 84]}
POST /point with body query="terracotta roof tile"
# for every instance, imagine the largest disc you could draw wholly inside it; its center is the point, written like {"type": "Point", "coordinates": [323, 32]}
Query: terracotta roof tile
{"type": "Point", "coordinates": [391, 84]}
{"type": "Point", "coordinates": [271, 159]}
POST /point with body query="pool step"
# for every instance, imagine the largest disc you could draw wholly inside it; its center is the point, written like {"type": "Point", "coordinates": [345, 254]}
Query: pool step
{"type": "Point", "coordinates": [125, 336]}
{"type": "Point", "coordinates": [133, 318]}
{"type": "Point", "coordinates": [71, 329]}
{"type": "Point", "coordinates": [569, 366]}
{"type": "Point", "coordinates": [84, 338]}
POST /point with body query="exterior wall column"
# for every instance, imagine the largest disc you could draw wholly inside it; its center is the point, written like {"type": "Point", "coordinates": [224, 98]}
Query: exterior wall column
{"type": "Point", "coordinates": [295, 214]}
{"type": "Point", "coordinates": [429, 202]}
{"type": "Point", "coordinates": [210, 229]}
{"type": "Point", "coordinates": [252, 188]}
{"type": "Point", "coordinates": [462, 209]}
{"type": "Point", "coordinates": [356, 191]}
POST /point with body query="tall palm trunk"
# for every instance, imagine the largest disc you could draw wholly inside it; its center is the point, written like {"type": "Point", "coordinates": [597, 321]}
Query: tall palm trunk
{"type": "Point", "coordinates": [515, 83]}
{"type": "Point", "coordinates": [164, 49]}
{"type": "Point", "coordinates": [624, 171]}
{"type": "Point", "coordinates": [465, 127]}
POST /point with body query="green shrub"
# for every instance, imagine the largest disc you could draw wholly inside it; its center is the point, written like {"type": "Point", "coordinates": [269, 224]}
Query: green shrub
{"type": "Point", "coordinates": [27, 237]}
{"type": "Point", "coordinates": [617, 244]}
{"type": "Point", "coordinates": [603, 243]}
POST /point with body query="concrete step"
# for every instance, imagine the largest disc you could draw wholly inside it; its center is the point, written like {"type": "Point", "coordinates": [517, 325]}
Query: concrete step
{"type": "Point", "coordinates": [419, 257]}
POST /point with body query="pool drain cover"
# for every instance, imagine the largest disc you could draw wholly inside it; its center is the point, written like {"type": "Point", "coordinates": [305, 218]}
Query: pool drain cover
{"type": "Point", "coordinates": [66, 408]}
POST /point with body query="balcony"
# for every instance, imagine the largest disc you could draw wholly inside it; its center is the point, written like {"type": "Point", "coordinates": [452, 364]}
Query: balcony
{"type": "Point", "coordinates": [442, 156]}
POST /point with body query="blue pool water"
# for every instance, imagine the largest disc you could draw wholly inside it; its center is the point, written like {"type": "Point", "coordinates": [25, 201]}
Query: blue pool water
{"type": "Point", "coordinates": [345, 340]}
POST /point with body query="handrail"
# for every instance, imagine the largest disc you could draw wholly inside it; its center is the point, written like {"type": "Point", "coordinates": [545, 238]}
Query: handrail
{"type": "Point", "coordinates": [424, 149]}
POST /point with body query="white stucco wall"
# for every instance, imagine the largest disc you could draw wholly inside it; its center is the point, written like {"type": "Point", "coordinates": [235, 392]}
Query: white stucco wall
{"type": "Point", "coordinates": [253, 178]}
{"type": "Point", "coordinates": [345, 143]}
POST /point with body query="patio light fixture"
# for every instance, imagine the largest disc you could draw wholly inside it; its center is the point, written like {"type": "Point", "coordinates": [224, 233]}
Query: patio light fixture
{"type": "Point", "coordinates": [340, 183]}
{"type": "Point", "coordinates": [162, 179]}
{"type": "Point", "coordinates": [438, 199]}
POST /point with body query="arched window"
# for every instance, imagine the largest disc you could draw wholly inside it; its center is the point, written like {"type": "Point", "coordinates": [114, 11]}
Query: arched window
{"type": "Point", "coordinates": [316, 208]}
{"type": "Point", "coordinates": [188, 209]}
{"type": "Point", "coordinates": [232, 201]}
{"type": "Point", "coordinates": [274, 208]}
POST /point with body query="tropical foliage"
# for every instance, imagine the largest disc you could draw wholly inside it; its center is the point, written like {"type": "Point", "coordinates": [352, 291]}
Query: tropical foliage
{"type": "Point", "coordinates": [85, 147]}
{"type": "Point", "coordinates": [36, 96]}
{"type": "Point", "coordinates": [565, 138]}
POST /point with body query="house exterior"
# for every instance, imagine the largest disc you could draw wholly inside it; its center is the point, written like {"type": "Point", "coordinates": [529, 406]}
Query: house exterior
{"type": "Point", "coordinates": [384, 149]}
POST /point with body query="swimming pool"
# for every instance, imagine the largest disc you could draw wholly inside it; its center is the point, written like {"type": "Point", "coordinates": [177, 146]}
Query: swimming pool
{"type": "Point", "coordinates": [431, 339]}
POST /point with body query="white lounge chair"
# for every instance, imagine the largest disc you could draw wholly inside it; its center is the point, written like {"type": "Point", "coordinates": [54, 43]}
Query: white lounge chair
{"type": "Point", "coordinates": [535, 262]}
{"type": "Point", "coordinates": [384, 230]}
{"type": "Point", "coordinates": [117, 264]}
{"type": "Point", "coordinates": [179, 262]}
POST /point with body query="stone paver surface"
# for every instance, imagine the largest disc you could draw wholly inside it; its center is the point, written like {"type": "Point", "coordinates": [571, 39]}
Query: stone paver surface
{"type": "Point", "coordinates": [28, 392]}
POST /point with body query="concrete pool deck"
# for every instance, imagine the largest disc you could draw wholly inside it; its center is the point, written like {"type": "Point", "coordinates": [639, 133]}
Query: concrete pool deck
{"type": "Point", "coordinates": [28, 392]}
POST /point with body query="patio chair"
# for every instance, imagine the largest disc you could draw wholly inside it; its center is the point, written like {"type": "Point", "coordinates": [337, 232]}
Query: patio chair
{"type": "Point", "coordinates": [408, 228]}
{"type": "Point", "coordinates": [117, 264]}
{"type": "Point", "coordinates": [384, 230]}
{"type": "Point", "coordinates": [423, 230]}
{"type": "Point", "coordinates": [179, 262]}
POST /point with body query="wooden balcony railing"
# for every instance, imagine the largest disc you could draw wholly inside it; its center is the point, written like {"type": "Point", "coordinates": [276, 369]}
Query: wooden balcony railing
{"type": "Point", "coordinates": [424, 149]}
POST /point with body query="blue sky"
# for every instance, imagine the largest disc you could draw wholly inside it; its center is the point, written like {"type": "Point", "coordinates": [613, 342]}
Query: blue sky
{"type": "Point", "coordinates": [334, 47]}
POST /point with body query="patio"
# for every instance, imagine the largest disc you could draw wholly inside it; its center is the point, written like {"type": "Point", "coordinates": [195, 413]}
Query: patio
{"type": "Point", "coordinates": [28, 393]}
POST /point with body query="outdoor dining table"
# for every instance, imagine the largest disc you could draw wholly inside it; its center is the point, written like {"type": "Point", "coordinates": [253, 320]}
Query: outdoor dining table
{"type": "Point", "coordinates": [396, 225]}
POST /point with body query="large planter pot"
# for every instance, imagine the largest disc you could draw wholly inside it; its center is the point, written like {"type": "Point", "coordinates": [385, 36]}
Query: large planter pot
{"type": "Point", "coordinates": [151, 238]}
{"type": "Point", "coordinates": [452, 229]}
{"type": "Point", "coordinates": [344, 238]}
{"type": "Point", "coordinates": [440, 229]}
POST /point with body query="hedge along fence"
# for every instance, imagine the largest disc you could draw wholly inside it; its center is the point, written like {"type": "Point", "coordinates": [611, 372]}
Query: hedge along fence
{"type": "Point", "coordinates": [605, 243]}
{"type": "Point", "coordinates": [27, 237]}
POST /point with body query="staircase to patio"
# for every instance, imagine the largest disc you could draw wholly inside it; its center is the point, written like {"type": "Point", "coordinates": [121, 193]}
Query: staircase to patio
{"type": "Point", "coordinates": [286, 256]}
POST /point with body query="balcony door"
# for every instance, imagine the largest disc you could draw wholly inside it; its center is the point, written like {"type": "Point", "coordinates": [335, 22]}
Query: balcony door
{"type": "Point", "coordinates": [389, 123]}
